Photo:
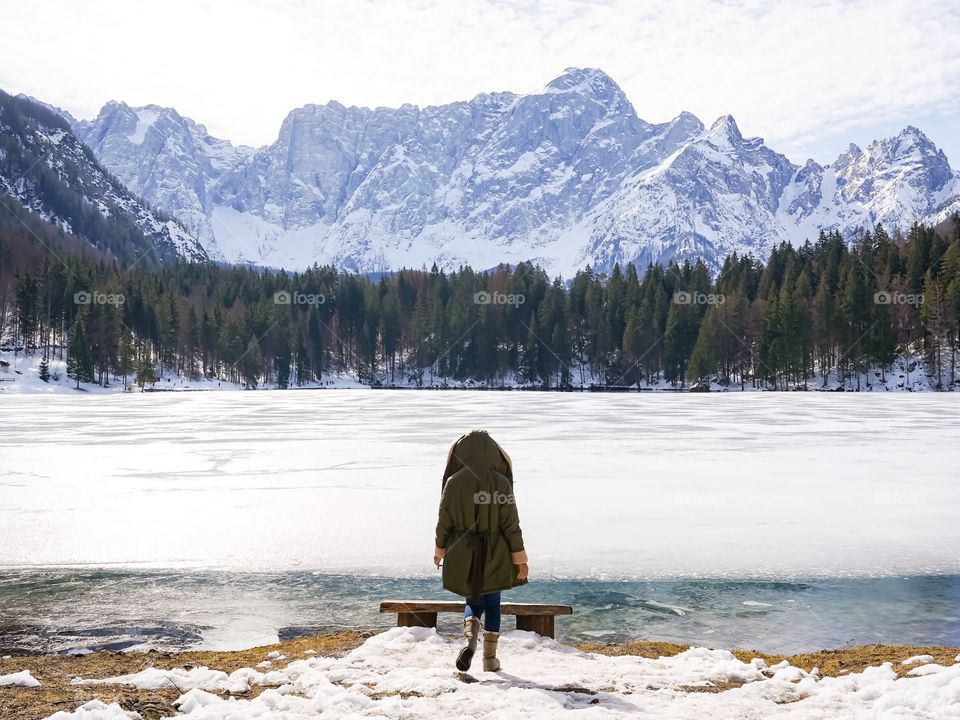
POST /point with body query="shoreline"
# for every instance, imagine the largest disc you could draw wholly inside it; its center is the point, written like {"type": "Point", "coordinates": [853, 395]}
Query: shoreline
{"type": "Point", "coordinates": [56, 693]}
{"type": "Point", "coordinates": [19, 375]}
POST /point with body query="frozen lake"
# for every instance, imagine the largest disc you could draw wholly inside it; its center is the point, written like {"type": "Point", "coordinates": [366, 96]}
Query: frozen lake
{"type": "Point", "coordinates": [646, 488]}
{"type": "Point", "coordinates": [640, 486]}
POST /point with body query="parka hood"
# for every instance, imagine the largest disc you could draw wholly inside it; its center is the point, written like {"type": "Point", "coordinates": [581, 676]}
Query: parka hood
{"type": "Point", "coordinates": [478, 451]}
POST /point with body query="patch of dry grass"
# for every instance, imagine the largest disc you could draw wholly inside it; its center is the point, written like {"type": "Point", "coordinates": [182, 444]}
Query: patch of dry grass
{"type": "Point", "coordinates": [56, 671]}
{"type": "Point", "coordinates": [830, 662]}
{"type": "Point", "coordinates": [855, 659]}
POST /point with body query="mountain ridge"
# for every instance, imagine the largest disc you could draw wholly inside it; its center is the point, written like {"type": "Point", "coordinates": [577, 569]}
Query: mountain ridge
{"type": "Point", "coordinates": [46, 169]}
{"type": "Point", "coordinates": [567, 176]}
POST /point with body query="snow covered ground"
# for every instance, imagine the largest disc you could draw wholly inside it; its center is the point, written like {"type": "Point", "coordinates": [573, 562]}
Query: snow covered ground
{"type": "Point", "coordinates": [407, 673]}
{"type": "Point", "coordinates": [21, 375]}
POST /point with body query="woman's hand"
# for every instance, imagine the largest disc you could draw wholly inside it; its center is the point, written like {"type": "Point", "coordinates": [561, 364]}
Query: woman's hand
{"type": "Point", "coordinates": [522, 571]}
{"type": "Point", "coordinates": [438, 554]}
{"type": "Point", "coordinates": [519, 558]}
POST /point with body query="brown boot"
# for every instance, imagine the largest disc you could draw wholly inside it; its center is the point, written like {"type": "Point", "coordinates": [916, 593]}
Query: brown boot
{"type": "Point", "coordinates": [471, 628]}
{"type": "Point", "coordinates": [490, 662]}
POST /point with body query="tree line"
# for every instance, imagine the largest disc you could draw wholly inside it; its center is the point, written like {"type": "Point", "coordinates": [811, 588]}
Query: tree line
{"type": "Point", "coordinates": [828, 307]}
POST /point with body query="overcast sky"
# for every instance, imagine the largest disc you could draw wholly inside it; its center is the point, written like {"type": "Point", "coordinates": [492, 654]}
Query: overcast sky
{"type": "Point", "coordinates": [809, 77]}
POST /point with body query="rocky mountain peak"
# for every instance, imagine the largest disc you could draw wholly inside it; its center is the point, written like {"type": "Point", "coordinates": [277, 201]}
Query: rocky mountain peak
{"type": "Point", "coordinates": [567, 175]}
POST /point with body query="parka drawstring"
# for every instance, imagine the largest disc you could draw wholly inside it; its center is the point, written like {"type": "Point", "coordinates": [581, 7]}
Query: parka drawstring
{"type": "Point", "coordinates": [476, 569]}
{"type": "Point", "coordinates": [477, 542]}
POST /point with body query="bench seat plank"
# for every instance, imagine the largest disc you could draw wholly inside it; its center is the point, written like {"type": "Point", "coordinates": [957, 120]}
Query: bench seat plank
{"type": "Point", "coordinates": [535, 617]}
{"type": "Point", "coordinates": [439, 606]}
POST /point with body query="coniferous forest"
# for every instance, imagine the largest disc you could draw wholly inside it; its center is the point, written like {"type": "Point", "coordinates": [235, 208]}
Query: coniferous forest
{"type": "Point", "coordinates": [847, 310]}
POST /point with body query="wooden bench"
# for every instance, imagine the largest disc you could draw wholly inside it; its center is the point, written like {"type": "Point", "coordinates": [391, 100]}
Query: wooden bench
{"type": "Point", "coordinates": [423, 613]}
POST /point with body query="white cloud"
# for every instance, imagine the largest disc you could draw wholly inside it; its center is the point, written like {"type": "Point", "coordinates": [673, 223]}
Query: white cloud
{"type": "Point", "coordinates": [809, 77]}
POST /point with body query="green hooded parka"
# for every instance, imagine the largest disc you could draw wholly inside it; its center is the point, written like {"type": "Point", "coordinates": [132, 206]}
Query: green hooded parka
{"type": "Point", "coordinates": [478, 526]}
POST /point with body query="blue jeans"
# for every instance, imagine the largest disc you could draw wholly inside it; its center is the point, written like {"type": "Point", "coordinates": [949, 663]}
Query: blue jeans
{"type": "Point", "coordinates": [489, 608]}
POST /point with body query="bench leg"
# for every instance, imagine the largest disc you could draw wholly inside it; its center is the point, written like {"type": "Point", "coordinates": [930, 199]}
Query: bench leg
{"type": "Point", "coordinates": [421, 619]}
{"type": "Point", "coordinates": [540, 624]}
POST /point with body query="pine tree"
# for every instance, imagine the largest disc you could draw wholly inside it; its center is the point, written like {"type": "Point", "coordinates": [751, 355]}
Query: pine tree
{"type": "Point", "coordinates": [192, 343]}
{"type": "Point", "coordinates": [301, 361]}
{"type": "Point", "coordinates": [703, 357]}
{"type": "Point", "coordinates": [530, 357]}
{"type": "Point", "coordinates": [79, 364]}
{"type": "Point", "coordinates": [146, 372]}
{"type": "Point", "coordinates": [126, 362]}
{"type": "Point", "coordinates": [251, 364]}
{"type": "Point", "coordinates": [390, 327]}
{"type": "Point", "coordinates": [315, 347]}
{"type": "Point", "coordinates": [283, 357]}
{"type": "Point", "coordinates": [951, 302]}
{"type": "Point", "coordinates": [27, 308]}
{"type": "Point", "coordinates": [683, 325]}
{"type": "Point", "coordinates": [933, 317]}
{"type": "Point", "coordinates": [771, 350]}
{"type": "Point", "coordinates": [44, 370]}
{"type": "Point", "coordinates": [632, 349]}
{"type": "Point", "coordinates": [801, 329]}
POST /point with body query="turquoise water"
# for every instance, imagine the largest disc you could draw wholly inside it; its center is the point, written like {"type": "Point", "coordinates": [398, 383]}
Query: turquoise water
{"type": "Point", "coordinates": [77, 610]}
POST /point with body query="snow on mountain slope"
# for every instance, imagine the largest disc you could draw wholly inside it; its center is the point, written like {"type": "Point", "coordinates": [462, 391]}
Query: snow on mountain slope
{"type": "Point", "coordinates": [716, 194]}
{"type": "Point", "coordinates": [895, 181]}
{"type": "Point", "coordinates": [52, 174]}
{"type": "Point", "coordinates": [565, 176]}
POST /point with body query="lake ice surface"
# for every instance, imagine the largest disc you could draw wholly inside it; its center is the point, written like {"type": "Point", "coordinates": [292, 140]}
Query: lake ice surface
{"type": "Point", "coordinates": [638, 486]}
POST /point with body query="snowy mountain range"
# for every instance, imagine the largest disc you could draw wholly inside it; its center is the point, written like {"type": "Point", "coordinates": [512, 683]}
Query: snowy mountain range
{"type": "Point", "coordinates": [565, 176]}
{"type": "Point", "coordinates": [54, 175]}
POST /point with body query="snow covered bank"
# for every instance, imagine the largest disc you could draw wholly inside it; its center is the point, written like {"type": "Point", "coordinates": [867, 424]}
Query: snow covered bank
{"type": "Point", "coordinates": [408, 672]}
{"type": "Point", "coordinates": [21, 374]}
